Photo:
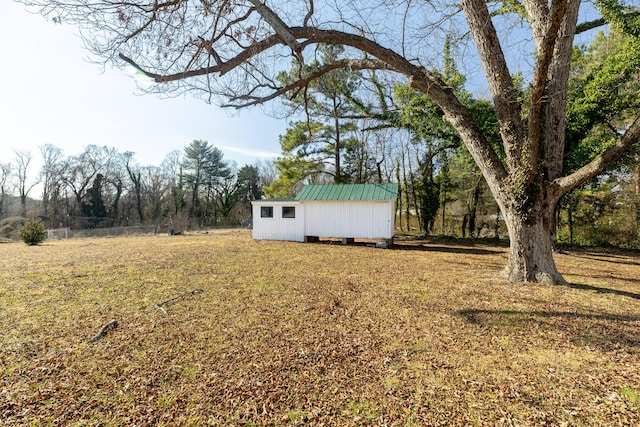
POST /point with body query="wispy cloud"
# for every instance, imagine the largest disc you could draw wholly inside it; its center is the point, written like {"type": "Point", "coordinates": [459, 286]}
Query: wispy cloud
{"type": "Point", "coordinates": [248, 152]}
{"type": "Point", "coordinates": [228, 149]}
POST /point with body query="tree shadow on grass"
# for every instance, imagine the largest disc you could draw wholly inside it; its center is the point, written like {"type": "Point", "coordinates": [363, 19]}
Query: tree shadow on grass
{"type": "Point", "coordinates": [441, 245]}
{"type": "Point", "coordinates": [624, 257]}
{"type": "Point", "coordinates": [603, 290]}
{"type": "Point", "coordinates": [593, 329]}
{"type": "Point", "coordinates": [454, 248]}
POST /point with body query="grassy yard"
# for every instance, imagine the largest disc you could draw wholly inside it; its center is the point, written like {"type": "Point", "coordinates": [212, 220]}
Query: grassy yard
{"type": "Point", "coordinates": [219, 329]}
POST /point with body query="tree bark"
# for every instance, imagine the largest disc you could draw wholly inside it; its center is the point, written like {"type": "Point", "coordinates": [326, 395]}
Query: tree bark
{"type": "Point", "coordinates": [531, 249]}
{"type": "Point", "coordinates": [636, 193]}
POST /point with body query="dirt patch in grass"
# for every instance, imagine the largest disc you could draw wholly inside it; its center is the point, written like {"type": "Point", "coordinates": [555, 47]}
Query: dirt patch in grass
{"type": "Point", "coordinates": [277, 333]}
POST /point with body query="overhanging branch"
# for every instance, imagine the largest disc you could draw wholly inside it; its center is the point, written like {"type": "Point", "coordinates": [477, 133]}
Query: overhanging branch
{"type": "Point", "coordinates": [600, 163]}
{"type": "Point", "coordinates": [221, 68]}
{"type": "Point", "coordinates": [384, 58]}
{"type": "Point", "coordinates": [586, 26]}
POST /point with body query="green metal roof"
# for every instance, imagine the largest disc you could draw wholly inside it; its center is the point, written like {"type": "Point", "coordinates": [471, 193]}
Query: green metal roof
{"type": "Point", "coordinates": [349, 192]}
{"type": "Point", "coordinates": [276, 199]}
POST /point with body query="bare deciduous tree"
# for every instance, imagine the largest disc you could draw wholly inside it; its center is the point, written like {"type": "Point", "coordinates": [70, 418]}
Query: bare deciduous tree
{"type": "Point", "coordinates": [22, 161]}
{"type": "Point", "coordinates": [49, 175]}
{"type": "Point", "coordinates": [5, 173]}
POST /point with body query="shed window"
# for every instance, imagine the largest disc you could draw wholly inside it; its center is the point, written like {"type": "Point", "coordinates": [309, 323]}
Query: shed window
{"type": "Point", "coordinates": [288, 212]}
{"type": "Point", "coordinates": [266, 211]}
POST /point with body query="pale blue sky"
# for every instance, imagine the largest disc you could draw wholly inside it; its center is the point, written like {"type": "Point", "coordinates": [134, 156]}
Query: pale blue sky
{"type": "Point", "coordinates": [52, 95]}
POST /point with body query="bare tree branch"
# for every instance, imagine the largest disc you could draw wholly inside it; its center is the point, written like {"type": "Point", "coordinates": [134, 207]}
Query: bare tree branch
{"type": "Point", "coordinates": [555, 109]}
{"type": "Point", "coordinates": [538, 86]}
{"type": "Point", "coordinates": [309, 14]}
{"type": "Point", "coordinates": [359, 64]}
{"type": "Point", "coordinates": [537, 12]}
{"type": "Point", "coordinates": [499, 78]}
{"type": "Point", "coordinates": [220, 69]}
{"type": "Point", "coordinates": [279, 27]}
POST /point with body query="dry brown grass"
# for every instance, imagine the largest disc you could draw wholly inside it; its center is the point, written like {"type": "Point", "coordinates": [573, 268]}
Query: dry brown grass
{"type": "Point", "coordinates": [316, 334]}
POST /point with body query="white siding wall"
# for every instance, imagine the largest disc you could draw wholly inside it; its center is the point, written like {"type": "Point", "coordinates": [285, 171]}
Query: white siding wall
{"type": "Point", "coordinates": [278, 228]}
{"type": "Point", "coordinates": [365, 219]}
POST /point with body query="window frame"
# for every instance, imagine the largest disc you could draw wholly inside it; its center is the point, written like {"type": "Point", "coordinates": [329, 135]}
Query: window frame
{"type": "Point", "coordinates": [291, 209]}
{"type": "Point", "coordinates": [268, 210]}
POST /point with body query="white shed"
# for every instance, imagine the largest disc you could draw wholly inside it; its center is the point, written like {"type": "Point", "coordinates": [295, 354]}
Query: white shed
{"type": "Point", "coordinates": [346, 211]}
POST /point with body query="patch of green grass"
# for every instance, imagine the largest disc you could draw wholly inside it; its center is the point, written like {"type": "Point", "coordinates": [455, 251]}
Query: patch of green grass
{"type": "Point", "coordinates": [297, 416]}
{"type": "Point", "coordinates": [361, 411]}
{"type": "Point", "coordinates": [632, 396]}
{"type": "Point", "coordinates": [165, 401]}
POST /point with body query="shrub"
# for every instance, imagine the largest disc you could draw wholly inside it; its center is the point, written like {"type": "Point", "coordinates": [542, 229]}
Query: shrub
{"type": "Point", "coordinates": [33, 232]}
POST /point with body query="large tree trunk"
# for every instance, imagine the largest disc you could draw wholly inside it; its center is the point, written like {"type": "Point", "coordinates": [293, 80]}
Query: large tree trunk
{"type": "Point", "coordinates": [531, 249]}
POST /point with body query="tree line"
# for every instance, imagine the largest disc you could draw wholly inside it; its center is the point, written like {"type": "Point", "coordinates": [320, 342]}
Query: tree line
{"type": "Point", "coordinates": [102, 187]}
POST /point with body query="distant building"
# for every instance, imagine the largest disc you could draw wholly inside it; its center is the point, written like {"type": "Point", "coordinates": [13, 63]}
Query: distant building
{"type": "Point", "coordinates": [346, 211]}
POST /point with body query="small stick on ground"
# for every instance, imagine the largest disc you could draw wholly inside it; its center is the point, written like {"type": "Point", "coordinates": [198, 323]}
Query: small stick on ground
{"type": "Point", "coordinates": [112, 324]}
{"type": "Point", "coordinates": [160, 305]}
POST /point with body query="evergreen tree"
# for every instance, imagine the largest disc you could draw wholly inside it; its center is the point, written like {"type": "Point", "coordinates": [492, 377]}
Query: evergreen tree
{"type": "Point", "coordinates": [203, 172]}
{"type": "Point", "coordinates": [325, 102]}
